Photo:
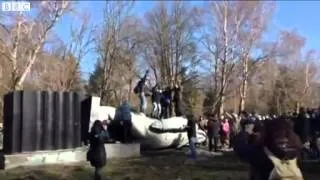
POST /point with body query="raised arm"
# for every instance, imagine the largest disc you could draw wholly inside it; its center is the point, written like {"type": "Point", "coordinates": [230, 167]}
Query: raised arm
{"type": "Point", "coordinates": [145, 76]}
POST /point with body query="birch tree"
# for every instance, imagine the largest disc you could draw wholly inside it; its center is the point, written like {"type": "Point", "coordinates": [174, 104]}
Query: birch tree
{"type": "Point", "coordinates": [115, 48]}
{"type": "Point", "coordinates": [26, 37]}
{"type": "Point", "coordinates": [170, 40]}
{"type": "Point", "coordinates": [220, 40]}
{"type": "Point", "coordinates": [251, 19]}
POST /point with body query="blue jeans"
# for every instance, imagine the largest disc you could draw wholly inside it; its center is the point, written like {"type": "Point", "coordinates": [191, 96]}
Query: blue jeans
{"type": "Point", "coordinates": [143, 103]}
{"type": "Point", "coordinates": [192, 145]}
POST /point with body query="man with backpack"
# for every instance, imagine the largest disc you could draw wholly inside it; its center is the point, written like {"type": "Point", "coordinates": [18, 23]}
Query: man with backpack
{"type": "Point", "coordinates": [140, 89]}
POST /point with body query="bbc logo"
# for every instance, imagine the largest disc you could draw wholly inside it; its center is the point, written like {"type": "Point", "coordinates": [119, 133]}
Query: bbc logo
{"type": "Point", "coordinates": [15, 6]}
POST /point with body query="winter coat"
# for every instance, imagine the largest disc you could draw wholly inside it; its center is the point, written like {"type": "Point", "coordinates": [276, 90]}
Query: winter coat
{"type": "Point", "coordinates": [252, 149]}
{"type": "Point", "coordinates": [123, 112]}
{"type": "Point", "coordinates": [167, 96]}
{"type": "Point", "coordinates": [177, 101]}
{"type": "Point", "coordinates": [97, 153]}
{"type": "Point", "coordinates": [302, 126]}
{"type": "Point", "coordinates": [140, 87]}
{"type": "Point", "coordinates": [191, 129]}
{"type": "Point", "coordinates": [213, 128]}
{"type": "Point", "coordinates": [156, 95]}
{"type": "Point", "coordinates": [177, 94]}
{"type": "Point", "coordinates": [225, 127]}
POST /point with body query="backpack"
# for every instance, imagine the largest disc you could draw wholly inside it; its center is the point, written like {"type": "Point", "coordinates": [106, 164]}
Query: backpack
{"type": "Point", "coordinates": [283, 169]}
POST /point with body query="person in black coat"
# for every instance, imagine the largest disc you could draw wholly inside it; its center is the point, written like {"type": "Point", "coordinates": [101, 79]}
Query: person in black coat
{"type": "Point", "coordinates": [301, 125]}
{"type": "Point", "coordinates": [177, 100]}
{"type": "Point", "coordinates": [166, 103]}
{"type": "Point", "coordinates": [96, 154]}
{"type": "Point", "coordinates": [213, 133]}
{"type": "Point", "coordinates": [277, 137]}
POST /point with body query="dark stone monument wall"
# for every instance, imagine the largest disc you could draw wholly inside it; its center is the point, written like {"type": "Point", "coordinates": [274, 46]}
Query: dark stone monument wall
{"type": "Point", "coordinates": [40, 120]}
{"type": "Point", "coordinates": [85, 118]}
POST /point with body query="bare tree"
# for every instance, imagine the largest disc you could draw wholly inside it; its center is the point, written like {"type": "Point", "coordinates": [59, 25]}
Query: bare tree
{"type": "Point", "coordinates": [26, 37]}
{"type": "Point", "coordinates": [80, 45]}
{"type": "Point", "coordinates": [252, 19]}
{"type": "Point", "coordinates": [115, 16]}
{"type": "Point", "coordinates": [220, 41]}
{"type": "Point", "coordinates": [171, 43]}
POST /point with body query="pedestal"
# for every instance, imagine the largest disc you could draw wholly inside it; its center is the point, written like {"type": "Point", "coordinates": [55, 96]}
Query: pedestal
{"type": "Point", "coordinates": [66, 156]}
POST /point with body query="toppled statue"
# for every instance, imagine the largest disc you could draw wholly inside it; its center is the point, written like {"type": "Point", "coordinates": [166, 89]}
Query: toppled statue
{"type": "Point", "coordinates": [151, 133]}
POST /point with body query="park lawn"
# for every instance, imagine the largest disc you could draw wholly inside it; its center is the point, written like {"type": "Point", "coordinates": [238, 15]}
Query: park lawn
{"type": "Point", "coordinates": [151, 166]}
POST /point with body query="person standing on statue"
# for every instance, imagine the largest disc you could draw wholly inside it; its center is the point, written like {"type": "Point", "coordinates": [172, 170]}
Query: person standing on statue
{"type": "Point", "coordinates": [155, 98]}
{"type": "Point", "coordinates": [177, 96]}
{"type": "Point", "coordinates": [167, 103]}
{"type": "Point", "coordinates": [96, 154]}
{"type": "Point", "coordinates": [140, 89]}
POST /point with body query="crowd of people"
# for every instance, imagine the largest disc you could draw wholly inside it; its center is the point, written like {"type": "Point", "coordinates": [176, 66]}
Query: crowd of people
{"type": "Point", "coordinates": [164, 100]}
{"type": "Point", "coordinates": [272, 145]}
{"type": "Point", "coordinates": [261, 140]}
{"type": "Point", "coordinates": [222, 130]}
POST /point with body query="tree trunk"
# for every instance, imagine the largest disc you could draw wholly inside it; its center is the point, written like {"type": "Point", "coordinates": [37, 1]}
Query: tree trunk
{"type": "Point", "coordinates": [297, 107]}
{"type": "Point", "coordinates": [130, 90]}
{"type": "Point", "coordinates": [244, 86]}
{"type": "Point", "coordinates": [224, 61]}
{"type": "Point", "coordinates": [31, 59]}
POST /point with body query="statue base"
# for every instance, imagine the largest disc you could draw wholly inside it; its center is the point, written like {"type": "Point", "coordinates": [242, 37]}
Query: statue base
{"type": "Point", "coordinates": [65, 156]}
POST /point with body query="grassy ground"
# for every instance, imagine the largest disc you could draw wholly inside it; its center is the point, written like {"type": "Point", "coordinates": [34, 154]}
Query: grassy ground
{"type": "Point", "coordinates": [165, 165]}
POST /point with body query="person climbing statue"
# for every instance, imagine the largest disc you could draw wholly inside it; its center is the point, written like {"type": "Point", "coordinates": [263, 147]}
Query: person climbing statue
{"type": "Point", "coordinates": [140, 89]}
